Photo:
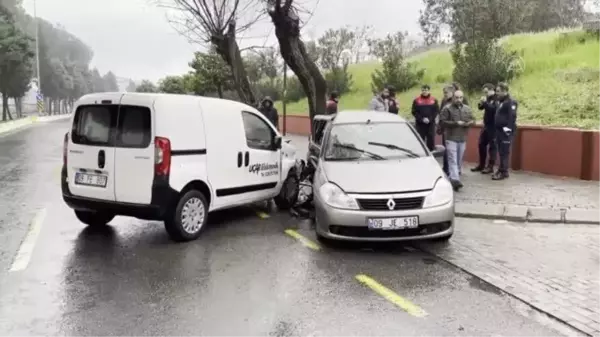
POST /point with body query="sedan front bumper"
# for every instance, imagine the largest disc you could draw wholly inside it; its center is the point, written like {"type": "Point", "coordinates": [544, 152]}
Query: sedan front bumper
{"type": "Point", "coordinates": [351, 225]}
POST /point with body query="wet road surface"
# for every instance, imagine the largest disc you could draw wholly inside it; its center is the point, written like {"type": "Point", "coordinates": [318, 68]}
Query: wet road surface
{"type": "Point", "coordinates": [245, 276]}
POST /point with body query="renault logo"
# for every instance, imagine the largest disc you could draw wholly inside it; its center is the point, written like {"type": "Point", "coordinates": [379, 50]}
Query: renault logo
{"type": "Point", "coordinates": [391, 204]}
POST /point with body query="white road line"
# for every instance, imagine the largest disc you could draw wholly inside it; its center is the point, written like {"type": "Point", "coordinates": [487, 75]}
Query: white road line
{"type": "Point", "coordinates": [26, 249]}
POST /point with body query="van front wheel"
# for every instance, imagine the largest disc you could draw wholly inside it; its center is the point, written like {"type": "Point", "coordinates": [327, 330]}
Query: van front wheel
{"type": "Point", "coordinates": [188, 219]}
{"type": "Point", "coordinates": [94, 219]}
{"type": "Point", "coordinates": [288, 195]}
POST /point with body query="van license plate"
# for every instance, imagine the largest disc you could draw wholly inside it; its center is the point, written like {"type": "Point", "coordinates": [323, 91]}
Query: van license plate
{"type": "Point", "coordinates": [86, 179]}
{"type": "Point", "coordinates": [393, 223]}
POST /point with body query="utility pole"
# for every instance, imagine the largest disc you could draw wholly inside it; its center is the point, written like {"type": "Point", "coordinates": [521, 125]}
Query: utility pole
{"type": "Point", "coordinates": [39, 96]}
{"type": "Point", "coordinates": [284, 100]}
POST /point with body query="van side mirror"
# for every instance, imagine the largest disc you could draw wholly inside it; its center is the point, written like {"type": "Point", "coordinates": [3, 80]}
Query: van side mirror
{"type": "Point", "coordinates": [277, 142]}
{"type": "Point", "coordinates": [439, 151]}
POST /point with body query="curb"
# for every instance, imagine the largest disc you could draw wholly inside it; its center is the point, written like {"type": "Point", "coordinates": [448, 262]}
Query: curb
{"type": "Point", "coordinates": [521, 213]}
{"type": "Point", "coordinates": [15, 125]}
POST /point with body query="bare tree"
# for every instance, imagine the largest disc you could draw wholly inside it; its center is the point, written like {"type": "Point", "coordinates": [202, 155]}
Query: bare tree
{"type": "Point", "coordinates": [215, 22]}
{"type": "Point", "coordinates": [286, 20]}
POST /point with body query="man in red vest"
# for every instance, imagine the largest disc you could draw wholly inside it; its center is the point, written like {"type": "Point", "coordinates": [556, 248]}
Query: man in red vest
{"type": "Point", "coordinates": [425, 109]}
{"type": "Point", "coordinates": [332, 103]}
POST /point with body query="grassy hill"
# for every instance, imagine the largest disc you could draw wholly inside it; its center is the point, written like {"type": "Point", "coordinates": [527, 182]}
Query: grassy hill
{"type": "Point", "coordinates": [559, 85]}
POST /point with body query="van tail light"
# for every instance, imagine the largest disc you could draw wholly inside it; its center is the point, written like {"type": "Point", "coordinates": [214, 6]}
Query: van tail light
{"type": "Point", "coordinates": [65, 148]}
{"type": "Point", "coordinates": [162, 156]}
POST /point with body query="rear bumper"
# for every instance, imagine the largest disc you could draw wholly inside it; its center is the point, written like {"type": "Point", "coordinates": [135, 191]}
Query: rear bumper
{"type": "Point", "coordinates": [163, 199]}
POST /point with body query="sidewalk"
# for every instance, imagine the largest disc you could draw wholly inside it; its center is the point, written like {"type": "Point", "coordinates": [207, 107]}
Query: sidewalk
{"type": "Point", "coordinates": [16, 124]}
{"type": "Point", "coordinates": [523, 197]}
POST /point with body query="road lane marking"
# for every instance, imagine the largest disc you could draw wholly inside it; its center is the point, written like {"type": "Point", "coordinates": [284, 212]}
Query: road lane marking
{"type": "Point", "coordinates": [27, 246]}
{"type": "Point", "coordinates": [262, 215]}
{"type": "Point", "coordinates": [390, 295]}
{"type": "Point", "coordinates": [302, 239]}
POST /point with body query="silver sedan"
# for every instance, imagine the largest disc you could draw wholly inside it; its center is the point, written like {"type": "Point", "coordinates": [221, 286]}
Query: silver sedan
{"type": "Point", "coordinates": [375, 180]}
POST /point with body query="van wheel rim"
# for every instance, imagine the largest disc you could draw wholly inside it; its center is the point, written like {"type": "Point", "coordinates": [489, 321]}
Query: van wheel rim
{"type": "Point", "coordinates": [192, 215]}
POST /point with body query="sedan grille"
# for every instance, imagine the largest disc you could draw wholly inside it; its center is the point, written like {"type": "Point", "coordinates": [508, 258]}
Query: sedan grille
{"type": "Point", "coordinates": [383, 204]}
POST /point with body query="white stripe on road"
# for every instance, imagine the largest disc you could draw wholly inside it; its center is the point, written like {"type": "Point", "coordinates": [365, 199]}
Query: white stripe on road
{"type": "Point", "coordinates": [26, 249]}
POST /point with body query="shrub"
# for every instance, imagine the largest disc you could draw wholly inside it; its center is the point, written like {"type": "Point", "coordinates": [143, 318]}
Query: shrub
{"type": "Point", "coordinates": [484, 61]}
{"type": "Point", "coordinates": [339, 80]}
{"type": "Point", "coordinates": [294, 91]}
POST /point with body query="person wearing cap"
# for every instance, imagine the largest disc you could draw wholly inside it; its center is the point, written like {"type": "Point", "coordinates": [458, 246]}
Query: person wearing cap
{"type": "Point", "coordinates": [269, 111]}
{"type": "Point", "coordinates": [332, 103]}
{"type": "Point", "coordinates": [425, 109]}
{"type": "Point", "coordinates": [505, 124]}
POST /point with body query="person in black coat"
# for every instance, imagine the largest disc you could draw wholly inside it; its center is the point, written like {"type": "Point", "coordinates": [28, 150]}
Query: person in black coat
{"type": "Point", "coordinates": [505, 124]}
{"type": "Point", "coordinates": [487, 140]}
{"type": "Point", "coordinates": [269, 111]}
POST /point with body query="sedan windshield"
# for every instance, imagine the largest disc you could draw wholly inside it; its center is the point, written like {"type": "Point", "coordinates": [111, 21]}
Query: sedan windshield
{"type": "Point", "coordinates": [373, 141]}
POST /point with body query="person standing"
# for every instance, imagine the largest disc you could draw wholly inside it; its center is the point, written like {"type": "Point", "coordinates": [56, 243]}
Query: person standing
{"type": "Point", "coordinates": [506, 127]}
{"type": "Point", "coordinates": [447, 100]}
{"type": "Point", "coordinates": [269, 111]}
{"type": "Point", "coordinates": [456, 120]}
{"type": "Point", "coordinates": [487, 141]}
{"type": "Point", "coordinates": [332, 103]}
{"type": "Point", "coordinates": [392, 102]}
{"type": "Point", "coordinates": [425, 109]}
{"type": "Point", "coordinates": [380, 102]}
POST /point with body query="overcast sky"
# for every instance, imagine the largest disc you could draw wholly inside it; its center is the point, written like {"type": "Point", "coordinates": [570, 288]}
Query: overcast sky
{"type": "Point", "coordinates": [134, 39]}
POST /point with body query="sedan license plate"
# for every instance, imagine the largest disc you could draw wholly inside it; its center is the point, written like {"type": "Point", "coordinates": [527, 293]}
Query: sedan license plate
{"type": "Point", "coordinates": [90, 179]}
{"type": "Point", "coordinates": [393, 223]}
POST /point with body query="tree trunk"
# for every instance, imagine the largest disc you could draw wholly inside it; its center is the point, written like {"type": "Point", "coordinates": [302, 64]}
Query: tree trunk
{"type": "Point", "coordinates": [220, 90]}
{"type": "Point", "coordinates": [293, 51]}
{"type": "Point", "coordinates": [4, 107]}
{"type": "Point", "coordinates": [226, 46]}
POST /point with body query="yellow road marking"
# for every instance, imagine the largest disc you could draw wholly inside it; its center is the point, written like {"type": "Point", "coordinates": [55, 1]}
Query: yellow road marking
{"type": "Point", "coordinates": [262, 215]}
{"type": "Point", "coordinates": [26, 250]}
{"type": "Point", "coordinates": [390, 295]}
{"type": "Point", "coordinates": [303, 240]}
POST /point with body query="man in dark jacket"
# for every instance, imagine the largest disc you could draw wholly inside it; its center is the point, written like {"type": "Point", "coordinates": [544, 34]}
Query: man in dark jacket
{"type": "Point", "coordinates": [332, 103]}
{"type": "Point", "coordinates": [447, 100]}
{"type": "Point", "coordinates": [506, 127]}
{"type": "Point", "coordinates": [269, 111]}
{"type": "Point", "coordinates": [393, 102]}
{"type": "Point", "coordinates": [487, 142]}
{"type": "Point", "coordinates": [425, 109]}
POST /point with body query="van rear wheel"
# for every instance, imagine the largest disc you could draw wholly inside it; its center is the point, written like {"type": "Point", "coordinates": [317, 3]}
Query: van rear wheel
{"type": "Point", "coordinates": [94, 218]}
{"type": "Point", "coordinates": [188, 219]}
{"type": "Point", "coordinates": [288, 195]}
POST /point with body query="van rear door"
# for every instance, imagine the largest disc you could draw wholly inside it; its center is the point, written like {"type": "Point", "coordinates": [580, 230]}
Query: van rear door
{"type": "Point", "coordinates": [134, 154]}
{"type": "Point", "coordinates": [91, 151]}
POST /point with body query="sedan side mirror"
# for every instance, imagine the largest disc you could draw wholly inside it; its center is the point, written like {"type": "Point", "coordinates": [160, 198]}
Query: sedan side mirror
{"type": "Point", "coordinates": [277, 143]}
{"type": "Point", "coordinates": [439, 151]}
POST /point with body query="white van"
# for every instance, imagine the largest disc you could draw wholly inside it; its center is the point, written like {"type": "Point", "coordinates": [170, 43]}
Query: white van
{"type": "Point", "coordinates": [173, 158]}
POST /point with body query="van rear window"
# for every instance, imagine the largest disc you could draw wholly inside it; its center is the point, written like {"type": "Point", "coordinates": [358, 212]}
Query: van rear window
{"type": "Point", "coordinates": [135, 128]}
{"type": "Point", "coordinates": [109, 125]}
{"type": "Point", "coordinates": [94, 124]}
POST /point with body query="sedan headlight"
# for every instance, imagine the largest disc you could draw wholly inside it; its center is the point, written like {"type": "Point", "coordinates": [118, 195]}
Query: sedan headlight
{"type": "Point", "coordinates": [335, 197]}
{"type": "Point", "coordinates": [441, 195]}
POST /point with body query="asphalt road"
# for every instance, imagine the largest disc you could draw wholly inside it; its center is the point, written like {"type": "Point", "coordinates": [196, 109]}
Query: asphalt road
{"type": "Point", "coordinates": [248, 274]}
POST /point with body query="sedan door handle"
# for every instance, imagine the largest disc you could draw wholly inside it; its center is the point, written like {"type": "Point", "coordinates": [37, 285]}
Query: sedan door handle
{"type": "Point", "coordinates": [239, 159]}
{"type": "Point", "coordinates": [247, 159]}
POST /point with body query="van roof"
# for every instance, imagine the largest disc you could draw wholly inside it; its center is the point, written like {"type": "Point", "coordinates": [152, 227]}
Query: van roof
{"type": "Point", "coordinates": [361, 116]}
{"type": "Point", "coordinates": [205, 102]}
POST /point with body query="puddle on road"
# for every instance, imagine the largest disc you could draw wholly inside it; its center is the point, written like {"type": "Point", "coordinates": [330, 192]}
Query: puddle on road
{"type": "Point", "coordinates": [480, 284]}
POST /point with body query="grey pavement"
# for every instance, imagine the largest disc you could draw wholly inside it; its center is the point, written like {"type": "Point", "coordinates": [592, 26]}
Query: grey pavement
{"type": "Point", "coordinates": [244, 276]}
{"type": "Point", "coordinates": [553, 268]}
{"type": "Point", "coordinates": [523, 197]}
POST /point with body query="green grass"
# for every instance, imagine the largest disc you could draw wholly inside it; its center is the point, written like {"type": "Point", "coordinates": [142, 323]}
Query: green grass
{"type": "Point", "coordinates": [559, 85]}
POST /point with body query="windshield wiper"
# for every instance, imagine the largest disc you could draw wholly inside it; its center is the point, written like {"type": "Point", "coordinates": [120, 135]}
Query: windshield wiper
{"type": "Point", "coordinates": [370, 154]}
{"type": "Point", "coordinates": [396, 147]}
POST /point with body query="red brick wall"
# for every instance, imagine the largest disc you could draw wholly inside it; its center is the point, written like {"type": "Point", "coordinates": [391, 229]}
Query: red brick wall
{"type": "Point", "coordinates": [555, 151]}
